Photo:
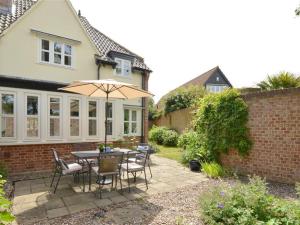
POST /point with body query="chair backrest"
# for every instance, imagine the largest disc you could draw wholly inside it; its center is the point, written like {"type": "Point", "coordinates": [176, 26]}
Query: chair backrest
{"type": "Point", "coordinates": [110, 162]}
{"type": "Point", "coordinates": [55, 155]}
{"type": "Point", "coordinates": [145, 147]}
{"type": "Point", "coordinates": [59, 163]}
{"type": "Point", "coordinates": [142, 157]}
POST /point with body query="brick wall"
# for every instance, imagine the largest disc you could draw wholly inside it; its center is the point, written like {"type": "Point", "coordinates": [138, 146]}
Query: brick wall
{"type": "Point", "coordinates": [21, 159]}
{"type": "Point", "coordinates": [274, 122]}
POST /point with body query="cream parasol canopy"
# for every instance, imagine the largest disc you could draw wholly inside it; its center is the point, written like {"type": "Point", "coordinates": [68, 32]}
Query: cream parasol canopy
{"type": "Point", "coordinates": [106, 89]}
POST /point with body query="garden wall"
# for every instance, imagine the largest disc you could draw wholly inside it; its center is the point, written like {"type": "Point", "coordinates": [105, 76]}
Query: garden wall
{"type": "Point", "coordinates": [178, 120]}
{"type": "Point", "coordinates": [274, 122]}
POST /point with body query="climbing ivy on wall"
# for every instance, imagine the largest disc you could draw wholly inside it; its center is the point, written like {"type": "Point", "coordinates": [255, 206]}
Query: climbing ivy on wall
{"type": "Point", "coordinates": [221, 122]}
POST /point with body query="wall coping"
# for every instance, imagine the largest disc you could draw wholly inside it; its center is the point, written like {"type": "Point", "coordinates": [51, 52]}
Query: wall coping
{"type": "Point", "coordinates": [271, 93]}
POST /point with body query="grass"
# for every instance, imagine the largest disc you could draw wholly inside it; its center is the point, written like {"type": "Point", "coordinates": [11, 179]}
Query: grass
{"type": "Point", "coordinates": [173, 153]}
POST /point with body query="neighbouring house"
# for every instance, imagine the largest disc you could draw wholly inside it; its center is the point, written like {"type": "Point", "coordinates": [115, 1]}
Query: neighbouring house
{"type": "Point", "coordinates": [44, 45]}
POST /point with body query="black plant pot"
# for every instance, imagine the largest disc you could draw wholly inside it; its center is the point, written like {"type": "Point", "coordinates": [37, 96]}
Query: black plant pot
{"type": "Point", "coordinates": [195, 165]}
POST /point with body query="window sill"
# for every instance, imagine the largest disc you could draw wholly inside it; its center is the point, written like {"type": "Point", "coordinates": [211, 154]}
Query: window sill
{"type": "Point", "coordinates": [56, 65]}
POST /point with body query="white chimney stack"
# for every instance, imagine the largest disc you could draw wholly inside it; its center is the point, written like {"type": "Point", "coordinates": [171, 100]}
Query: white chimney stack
{"type": "Point", "coordinates": [5, 6]}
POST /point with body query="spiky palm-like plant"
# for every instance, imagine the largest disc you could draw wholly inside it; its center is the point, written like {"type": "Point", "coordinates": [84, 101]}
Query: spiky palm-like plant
{"type": "Point", "coordinates": [279, 81]}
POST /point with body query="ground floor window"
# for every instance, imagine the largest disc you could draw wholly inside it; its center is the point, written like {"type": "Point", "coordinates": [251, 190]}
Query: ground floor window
{"type": "Point", "coordinates": [130, 122]}
{"type": "Point", "coordinates": [74, 117]}
{"type": "Point", "coordinates": [92, 117]}
{"type": "Point", "coordinates": [7, 115]}
{"type": "Point", "coordinates": [55, 117]}
{"type": "Point", "coordinates": [32, 115]}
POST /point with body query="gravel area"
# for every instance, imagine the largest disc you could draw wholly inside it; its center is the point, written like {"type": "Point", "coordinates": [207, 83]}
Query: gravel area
{"type": "Point", "coordinates": [178, 207]}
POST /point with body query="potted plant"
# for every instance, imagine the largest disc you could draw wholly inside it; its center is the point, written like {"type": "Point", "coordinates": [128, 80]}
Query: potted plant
{"type": "Point", "coordinates": [195, 165]}
{"type": "Point", "coordinates": [101, 147]}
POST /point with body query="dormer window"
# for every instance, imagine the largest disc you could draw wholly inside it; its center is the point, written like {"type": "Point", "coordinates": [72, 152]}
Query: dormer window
{"type": "Point", "coordinates": [56, 53]}
{"type": "Point", "coordinates": [123, 67]}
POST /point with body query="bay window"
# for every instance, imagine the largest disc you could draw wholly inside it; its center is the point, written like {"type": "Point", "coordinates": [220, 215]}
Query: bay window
{"type": "Point", "coordinates": [130, 122]}
{"type": "Point", "coordinates": [54, 115]}
{"type": "Point", "coordinates": [32, 115]}
{"type": "Point", "coordinates": [74, 118]}
{"type": "Point", "coordinates": [7, 115]}
{"type": "Point", "coordinates": [92, 117]}
{"type": "Point", "coordinates": [56, 53]}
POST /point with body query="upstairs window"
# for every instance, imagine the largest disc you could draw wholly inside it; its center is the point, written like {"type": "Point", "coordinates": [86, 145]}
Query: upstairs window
{"type": "Point", "coordinates": [123, 67]}
{"type": "Point", "coordinates": [56, 53]}
{"type": "Point", "coordinates": [216, 88]}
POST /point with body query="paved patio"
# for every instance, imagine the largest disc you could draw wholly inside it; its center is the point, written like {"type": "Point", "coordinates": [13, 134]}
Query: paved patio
{"type": "Point", "coordinates": [34, 202]}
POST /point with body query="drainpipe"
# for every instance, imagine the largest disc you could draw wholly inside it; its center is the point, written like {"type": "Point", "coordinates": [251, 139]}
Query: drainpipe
{"type": "Point", "coordinates": [98, 71]}
{"type": "Point", "coordinates": [144, 74]}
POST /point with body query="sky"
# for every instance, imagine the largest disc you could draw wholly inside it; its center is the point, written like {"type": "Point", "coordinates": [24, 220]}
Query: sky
{"type": "Point", "coordinates": [181, 39]}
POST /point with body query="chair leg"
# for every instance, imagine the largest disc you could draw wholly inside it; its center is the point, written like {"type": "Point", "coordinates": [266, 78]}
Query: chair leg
{"type": "Point", "coordinates": [121, 182]}
{"type": "Point", "coordinates": [128, 181]}
{"type": "Point", "coordinates": [83, 181]}
{"type": "Point", "coordinates": [146, 178]}
{"type": "Point", "coordinates": [134, 177]}
{"type": "Point", "coordinates": [57, 182]}
{"type": "Point", "coordinates": [150, 170]}
{"type": "Point", "coordinates": [53, 177]}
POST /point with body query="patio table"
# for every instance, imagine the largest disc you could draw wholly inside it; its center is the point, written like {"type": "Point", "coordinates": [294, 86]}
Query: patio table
{"type": "Point", "coordinates": [84, 155]}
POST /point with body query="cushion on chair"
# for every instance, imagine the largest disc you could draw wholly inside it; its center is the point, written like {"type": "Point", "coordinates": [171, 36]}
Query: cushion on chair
{"type": "Point", "coordinates": [143, 148]}
{"type": "Point", "coordinates": [63, 164]}
{"type": "Point", "coordinates": [73, 167]}
{"type": "Point", "coordinates": [132, 167]}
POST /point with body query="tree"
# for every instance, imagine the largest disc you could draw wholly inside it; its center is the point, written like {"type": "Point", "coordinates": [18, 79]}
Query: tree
{"type": "Point", "coordinates": [153, 112]}
{"type": "Point", "coordinates": [279, 81]}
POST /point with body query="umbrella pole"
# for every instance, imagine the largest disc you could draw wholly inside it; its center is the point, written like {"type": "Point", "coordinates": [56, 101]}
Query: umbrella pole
{"type": "Point", "coordinates": [105, 140]}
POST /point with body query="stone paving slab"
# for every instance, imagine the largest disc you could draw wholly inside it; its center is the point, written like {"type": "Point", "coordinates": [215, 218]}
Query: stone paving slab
{"type": "Point", "coordinates": [33, 200]}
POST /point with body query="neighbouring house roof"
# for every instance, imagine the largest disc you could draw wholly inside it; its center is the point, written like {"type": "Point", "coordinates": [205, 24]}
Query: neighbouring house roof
{"type": "Point", "coordinates": [203, 78]}
{"type": "Point", "coordinates": [104, 44]}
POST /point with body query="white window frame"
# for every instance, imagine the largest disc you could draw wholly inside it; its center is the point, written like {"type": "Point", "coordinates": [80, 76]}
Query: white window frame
{"type": "Point", "coordinates": [130, 122]}
{"type": "Point", "coordinates": [216, 88]}
{"type": "Point", "coordinates": [26, 95]}
{"type": "Point", "coordinates": [74, 117]}
{"type": "Point", "coordinates": [4, 115]}
{"type": "Point", "coordinates": [55, 117]}
{"type": "Point", "coordinates": [123, 68]}
{"type": "Point", "coordinates": [52, 52]}
{"type": "Point", "coordinates": [92, 118]}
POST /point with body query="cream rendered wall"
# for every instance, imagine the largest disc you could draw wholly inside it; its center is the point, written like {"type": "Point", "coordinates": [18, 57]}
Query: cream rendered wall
{"type": "Point", "coordinates": [19, 47]}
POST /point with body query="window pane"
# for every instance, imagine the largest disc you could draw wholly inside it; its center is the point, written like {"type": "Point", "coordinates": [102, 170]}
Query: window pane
{"type": "Point", "coordinates": [92, 127]}
{"type": "Point", "coordinates": [54, 127]}
{"type": "Point", "coordinates": [32, 127]}
{"type": "Point", "coordinates": [57, 47]}
{"type": "Point", "coordinates": [45, 44]}
{"type": "Point", "coordinates": [57, 58]}
{"type": "Point", "coordinates": [32, 105]}
{"type": "Point", "coordinates": [133, 115]}
{"type": "Point", "coordinates": [74, 108]}
{"type": "Point", "coordinates": [45, 56]}
{"type": "Point", "coordinates": [68, 49]}
{"type": "Point", "coordinates": [68, 60]}
{"type": "Point", "coordinates": [109, 127]}
{"type": "Point", "coordinates": [92, 109]}
{"type": "Point", "coordinates": [54, 107]}
{"type": "Point", "coordinates": [126, 115]}
{"type": "Point", "coordinates": [74, 129]}
{"type": "Point", "coordinates": [7, 128]}
{"type": "Point", "coordinates": [7, 104]}
{"type": "Point", "coordinates": [126, 128]}
{"type": "Point", "coordinates": [109, 110]}
{"type": "Point", "coordinates": [126, 68]}
{"type": "Point", "coordinates": [133, 128]}
{"type": "Point", "coordinates": [119, 66]}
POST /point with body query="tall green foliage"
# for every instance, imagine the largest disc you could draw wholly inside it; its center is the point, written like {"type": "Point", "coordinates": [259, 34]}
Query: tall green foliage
{"type": "Point", "coordinates": [278, 81]}
{"type": "Point", "coordinates": [183, 98]}
{"type": "Point", "coordinates": [221, 121]}
{"type": "Point", "coordinates": [5, 215]}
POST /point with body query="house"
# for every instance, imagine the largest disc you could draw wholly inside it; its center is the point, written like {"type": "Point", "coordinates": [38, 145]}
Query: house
{"type": "Point", "coordinates": [45, 45]}
{"type": "Point", "coordinates": [213, 80]}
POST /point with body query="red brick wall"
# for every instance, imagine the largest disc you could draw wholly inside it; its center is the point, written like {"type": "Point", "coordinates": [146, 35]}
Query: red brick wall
{"type": "Point", "coordinates": [274, 122]}
{"type": "Point", "coordinates": [39, 158]}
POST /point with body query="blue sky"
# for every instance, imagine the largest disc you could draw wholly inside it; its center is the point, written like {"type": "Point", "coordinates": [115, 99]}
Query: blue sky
{"type": "Point", "coordinates": [181, 39]}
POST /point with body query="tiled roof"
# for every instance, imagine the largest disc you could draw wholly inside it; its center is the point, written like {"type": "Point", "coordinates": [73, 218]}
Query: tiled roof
{"type": "Point", "coordinates": [103, 43]}
{"type": "Point", "coordinates": [19, 8]}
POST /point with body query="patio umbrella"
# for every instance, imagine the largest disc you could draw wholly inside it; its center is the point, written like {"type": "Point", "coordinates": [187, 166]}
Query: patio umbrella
{"type": "Point", "coordinates": [107, 89]}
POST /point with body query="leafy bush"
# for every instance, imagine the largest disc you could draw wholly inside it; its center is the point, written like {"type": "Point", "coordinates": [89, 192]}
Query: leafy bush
{"type": "Point", "coordinates": [3, 170]}
{"type": "Point", "coordinates": [182, 98]}
{"type": "Point", "coordinates": [156, 134]}
{"type": "Point", "coordinates": [213, 169]}
{"type": "Point", "coordinates": [185, 138]}
{"type": "Point", "coordinates": [221, 121]}
{"type": "Point", "coordinates": [154, 113]}
{"type": "Point", "coordinates": [170, 138]}
{"type": "Point", "coordinates": [298, 189]}
{"type": "Point", "coordinates": [247, 204]}
{"type": "Point", "coordinates": [5, 215]}
{"type": "Point", "coordinates": [279, 81]}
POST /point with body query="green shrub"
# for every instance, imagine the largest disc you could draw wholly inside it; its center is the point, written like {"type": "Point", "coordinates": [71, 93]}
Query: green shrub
{"type": "Point", "coordinates": [213, 169]}
{"type": "Point", "coordinates": [298, 189]}
{"type": "Point", "coordinates": [170, 138]}
{"type": "Point", "coordinates": [3, 170]}
{"type": "Point", "coordinates": [185, 138]}
{"type": "Point", "coordinates": [156, 134]}
{"type": "Point", "coordinates": [247, 204]}
{"type": "Point", "coordinates": [5, 205]}
{"type": "Point", "coordinates": [221, 121]}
